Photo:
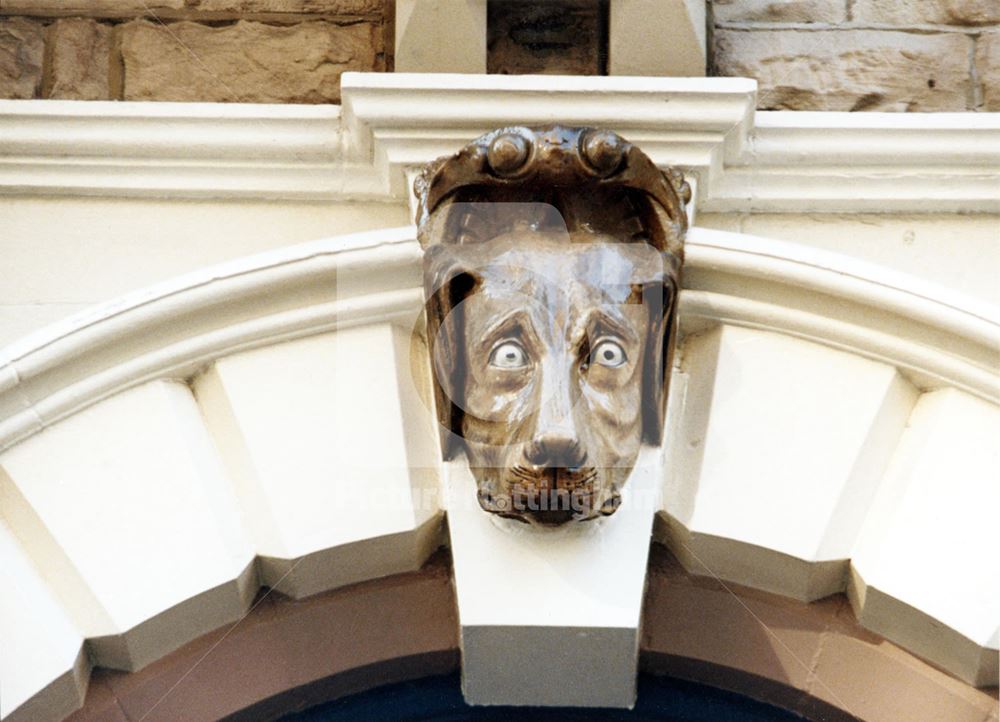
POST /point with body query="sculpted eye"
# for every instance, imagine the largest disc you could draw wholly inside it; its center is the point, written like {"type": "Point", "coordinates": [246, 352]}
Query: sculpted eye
{"type": "Point", "coordinates": [509, 355]}
{"type": "Point", "coordinates": [608, 353]}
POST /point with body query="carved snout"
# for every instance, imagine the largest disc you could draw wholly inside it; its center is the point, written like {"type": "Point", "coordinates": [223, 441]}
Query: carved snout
{"type": "Point", "coordinates": [555, 443]}
{"type": "Point", "coordinates": [555, 450]}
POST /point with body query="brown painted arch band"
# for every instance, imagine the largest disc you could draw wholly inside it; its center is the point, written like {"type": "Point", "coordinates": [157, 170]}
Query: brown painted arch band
{"type": "Point", "coordinates": [292, 654]}
{"type": "Point", "coordinates": [813, 659]}
{"type": "Point", "coordinates": [288, 655]}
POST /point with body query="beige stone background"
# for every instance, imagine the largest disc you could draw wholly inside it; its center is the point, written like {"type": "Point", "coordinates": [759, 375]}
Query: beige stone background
{"type": "Point", "coordinates": [880, 55]}
{"type": "Point", "coordinates": [877, 55]}
{"type": "Point", "coordinates": [255, 51]}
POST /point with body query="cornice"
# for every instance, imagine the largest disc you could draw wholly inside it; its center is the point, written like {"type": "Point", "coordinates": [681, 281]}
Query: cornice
{"type": "Point", "coordinates": [742, 160]}
{"type": "Point", "coordinates": [864, 162]}
{"type": "Point", "coordinates": [407, 120]}
{"type": "Point", "coordinates": [168, 150]}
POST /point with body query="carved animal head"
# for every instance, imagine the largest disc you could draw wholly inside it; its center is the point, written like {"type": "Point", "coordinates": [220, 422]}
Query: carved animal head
{"type": "Point", "coordinates": [552, 265]}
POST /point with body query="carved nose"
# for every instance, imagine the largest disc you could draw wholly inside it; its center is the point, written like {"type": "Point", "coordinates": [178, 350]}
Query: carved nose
{"type": "Point", "coordinates": [556, 451]}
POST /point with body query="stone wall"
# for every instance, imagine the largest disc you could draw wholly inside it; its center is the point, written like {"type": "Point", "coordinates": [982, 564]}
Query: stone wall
{"type": "Point", "coordinates": [881, 55]}
{"type": "Point", "coordinates": [256, 51]}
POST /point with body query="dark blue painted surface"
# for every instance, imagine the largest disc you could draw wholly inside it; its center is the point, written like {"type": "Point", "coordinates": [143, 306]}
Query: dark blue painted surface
{"type": "Point", "coordinates": [439, 699]}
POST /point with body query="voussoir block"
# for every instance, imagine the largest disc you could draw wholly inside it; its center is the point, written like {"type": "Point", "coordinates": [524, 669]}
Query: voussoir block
{"type": "Point", "coordinates": [43, 667]}
{"type": "Point", "coordinates": [333, 453]}
{"type": "Point", "coordinates": [924, 571]}
{"type": "Point", "coordinates": [780, 446]}
{"type": "Point", "coordinates": [127, 512]}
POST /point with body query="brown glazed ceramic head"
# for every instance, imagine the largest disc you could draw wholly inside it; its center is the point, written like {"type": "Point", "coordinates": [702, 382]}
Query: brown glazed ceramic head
{"type": "Point", "coordinates": [551, 269]}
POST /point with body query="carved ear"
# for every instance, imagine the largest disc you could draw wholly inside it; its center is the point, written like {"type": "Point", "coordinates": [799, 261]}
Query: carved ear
{"type": "Point", "coordinates": [661, 300]}
{"type": "Point", "coordinates": [447, 283]}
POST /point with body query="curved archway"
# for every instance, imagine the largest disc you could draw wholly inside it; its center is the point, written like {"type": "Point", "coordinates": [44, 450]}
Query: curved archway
{"type": "Point", "coordinates": [288, 656]}
{"type": "Point", "coordinates": [182, 372]}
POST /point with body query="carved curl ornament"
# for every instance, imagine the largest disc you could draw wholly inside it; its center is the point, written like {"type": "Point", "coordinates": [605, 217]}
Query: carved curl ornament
{"type": "Point", "coordinates": [552, 264]}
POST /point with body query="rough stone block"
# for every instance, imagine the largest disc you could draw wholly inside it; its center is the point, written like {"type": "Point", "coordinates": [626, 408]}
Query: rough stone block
{"type": "Point", "coordinates": [988, 68]}
{"type": "Point", "coordinates": [559, 38]}
{"type": "Point", "coordinates": [80, 50]}
{"type": "Point", "coordinates": [849, 69]}
{"type": "Point", "coordinates": [780, 11]}
{"type": "Point", "coordinates": [245, 62]}
{"type": "Point", "coordinates": [191, 8]}
{"type": "Point", "coordinates": [88, 8]}
{"type": "Point", "coordinates": [313, 7]}
{"type": "Point", "coordinates": [922, 12]}
{"type": "Point", "coordinates": [21, 51]}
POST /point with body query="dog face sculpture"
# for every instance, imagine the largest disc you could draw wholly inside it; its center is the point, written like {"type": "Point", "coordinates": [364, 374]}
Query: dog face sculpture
{"type": "Point", "coordinates": [551, 280]}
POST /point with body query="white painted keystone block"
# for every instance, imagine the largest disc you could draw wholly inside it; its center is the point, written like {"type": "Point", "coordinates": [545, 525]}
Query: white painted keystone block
{"type": "Point", "coordinates": [43, 668]}
{"type": "Point", "coordinates": [780, 447]}
{"type": "Point", "coordinates": [550, 617]}
{"type": "Point", "coordinates": [129, 516]}
{"type": "Point", "coordinates": [333, 452]}
{"type": "Point", "coordinates": [925, 568]}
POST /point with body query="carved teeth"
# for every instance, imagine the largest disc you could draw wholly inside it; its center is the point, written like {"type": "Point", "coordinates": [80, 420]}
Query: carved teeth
{"type": "Point", "coordinates": [508, 153]}
{"type": "Point", "coordinates": [603, 151]}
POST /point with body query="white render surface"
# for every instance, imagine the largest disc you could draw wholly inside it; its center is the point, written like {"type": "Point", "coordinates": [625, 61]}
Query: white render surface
{"type": "Point", "coordinates": [781, 446]}
{"type": "Point", "coordinates": [929, 540]}
{"type": "Point", "coordinates": [960, 252]}
{"type": "Point", "coordinates": [334, 455]}
{"type": "Point", "coordinates": [71, 253]}
{"type": "Point", "coordinates": [572, 596]}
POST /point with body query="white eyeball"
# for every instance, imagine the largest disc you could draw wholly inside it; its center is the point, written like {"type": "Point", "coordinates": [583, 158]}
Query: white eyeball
{"type": "Point", "coordinates": [608, 353]}
{"type": "Point", "coordinates": [509, 355]}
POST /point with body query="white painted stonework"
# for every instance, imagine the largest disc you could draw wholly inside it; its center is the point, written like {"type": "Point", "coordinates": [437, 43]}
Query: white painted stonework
{"type": "Point", "coordinates": [44, 668]}
{"type": "Point", "coordinates": [743, 160]}
{"type": "Point", "coordinates": [930, 534]}
{"type": "Point", "coordinates": [551, 613]}
{"type": "Point", "coordinates": [115, 481]}
{"type": "Point", "coordinates": [789, 465]}
{"type": "Point", "coordinates": [784, 443]}
{"type": "Point", "coordinates": [832, 425]}
{"type": "Point", "coordinates": [336, 482]}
